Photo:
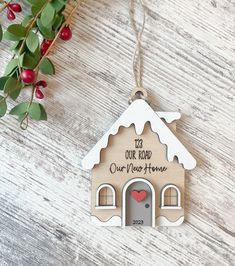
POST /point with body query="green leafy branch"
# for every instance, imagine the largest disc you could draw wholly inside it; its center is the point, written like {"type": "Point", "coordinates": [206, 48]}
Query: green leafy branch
{"type": "Point", "coordinates": [4, 4]}
{"type": "Point", "coordinates": [47, 20]}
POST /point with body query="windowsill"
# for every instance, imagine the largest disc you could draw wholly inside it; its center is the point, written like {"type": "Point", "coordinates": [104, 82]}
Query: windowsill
{"type": "Point", "coordinates": [105, 207]}
{"type": "Point", "coordinates": [171, 207]}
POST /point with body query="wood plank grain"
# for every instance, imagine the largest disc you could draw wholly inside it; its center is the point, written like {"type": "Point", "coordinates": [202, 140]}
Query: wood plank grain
{"type": "Point", "coordinates": [188, 66]}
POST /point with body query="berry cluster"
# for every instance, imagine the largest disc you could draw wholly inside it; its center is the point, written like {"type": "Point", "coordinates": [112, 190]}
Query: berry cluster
{"type": "Point", "coordinates": [38, 87]}
{"type": "Point", "coordinates": [11, 8]}
{"type": "Point", "coordinates": [29, 76]}
{"type": "Point", "coordinates": [65, 35]}
{"type": "Point", "coordinates": [46, 22]}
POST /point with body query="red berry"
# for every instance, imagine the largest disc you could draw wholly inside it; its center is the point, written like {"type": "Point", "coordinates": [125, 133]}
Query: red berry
{"type": "Point", "coordinates": [41, 83]}
{"type": "Point", "coordinates": [15, 7]}
{"type": "Point", "coordinates": [28, 76]}
{"type": "Point", "coordinates": [39, 94]}
{"type": "Point", "coordinates": [10, 15]}
{"type": "Point", "coordinates": [45, 45]}
{"type": "Point", "coordinates": [49, 42]}
{"type": "Point", "coordinates": [66, 34]}
{"type": "Point", "coordinates": [44, 48]}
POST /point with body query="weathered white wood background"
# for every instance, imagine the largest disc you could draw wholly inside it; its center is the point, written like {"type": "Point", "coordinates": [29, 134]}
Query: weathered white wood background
{"type": "Point", "coordinates": [189, 66]}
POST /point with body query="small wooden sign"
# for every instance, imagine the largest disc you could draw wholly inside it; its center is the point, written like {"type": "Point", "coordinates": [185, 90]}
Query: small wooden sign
{"type": "Point", "coordinates": [138, 170]}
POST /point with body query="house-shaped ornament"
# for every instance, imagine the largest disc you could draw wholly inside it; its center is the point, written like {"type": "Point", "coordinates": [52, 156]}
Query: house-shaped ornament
{"type": "Point", "coordinates": [138, 170]}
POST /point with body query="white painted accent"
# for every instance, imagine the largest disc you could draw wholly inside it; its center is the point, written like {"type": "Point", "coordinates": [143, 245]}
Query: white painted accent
{"type": "Point", "coordinates": [107, 207]}
{"type": "Point", "coordinates": [171, 207]}
{"type": "Point", "coordinates": [169, 117]}
{"type": "Point", "coordinates": [138, 113]}
{"type": "Point", "coordinates": [113, 221]}
{"type": "Point", "coordinates": [163, 221]}
{"type": "Point", "coordinates": [97, 197]}
{"type": "Point", "coordinates": [124, 199]}
{"type": "Point", "coordinates": [178, 198]}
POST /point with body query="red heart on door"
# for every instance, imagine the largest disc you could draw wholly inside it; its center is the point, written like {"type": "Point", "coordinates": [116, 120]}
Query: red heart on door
{"type": "Point", "coordinates": [139, 195]}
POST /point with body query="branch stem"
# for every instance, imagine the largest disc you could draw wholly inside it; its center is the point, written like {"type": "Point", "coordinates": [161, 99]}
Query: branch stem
{"type": "Point", "coordinates": [25, 121]}
{"type": "Point", "coordinates": [31, 26]}
{"type": "Point", "coordinates": [67, 21]}
{"type": "Point", "coordinates": [4, 98]}
{"type": "Point", "coordinates": [5, 4]}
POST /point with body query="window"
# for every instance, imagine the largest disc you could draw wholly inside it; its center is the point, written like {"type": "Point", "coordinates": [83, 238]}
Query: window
{"type": "Point", "coordinates": [170, 197]}
{"type": "Point", "coordinates": [105, 197]}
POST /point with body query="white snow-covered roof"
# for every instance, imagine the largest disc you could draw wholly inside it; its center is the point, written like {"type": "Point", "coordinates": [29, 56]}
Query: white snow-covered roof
{"type": "Point", "coordinates": [169, 117]}
{"type": "Point", "coordinates": [138, 113]}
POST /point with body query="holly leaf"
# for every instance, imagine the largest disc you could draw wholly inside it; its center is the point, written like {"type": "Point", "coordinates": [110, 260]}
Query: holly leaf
{"type": "Point", "coordinates": [46, 32]}
{"type": "Point", "coordinates": [34, 2]}
{"type": "Point", "coordinates": [36, 6]}
{"type": "Point", "coordinates": [27, 61]}
{"type": "Point", "coordinates": [15, 32]}
{"type": "Point", "coordinates": [15, 46]}
{"type": "Point", "coordinates": [35, 111]}
{"type": "Point", "coordinates": [47, 15]}
{"type": "Point", "coordinates": [10, 85]}
{"type": "Point", "coordinates": [19, 109]}
{"type": "Point", "coordinates": [58, 22]}
{"type": "Point", "coordinates": [3, 81]}
{"type": "Point", "coordinates": [21, 59]}
{"type": "Point", "coordinates": [26, 20]}
{"type": "Point", "coordinates": [1, 32]}
{"type": "Point", "coordinates": [11, 67]}
{"type": "Point", "coordinates": [32, 41]}
{"type": "Point", "coordinates": [3, 106]}
{"type": "Point", "coordinates": [15, 93]}
{"type": "Point", "coordinates": [47, 67]}
{"type": "Point", "coordinates": [13, 88]}
{"type": "Point", "coordinates": [58, 4]}
{"type": "Point", "coordinates": [43, 113]}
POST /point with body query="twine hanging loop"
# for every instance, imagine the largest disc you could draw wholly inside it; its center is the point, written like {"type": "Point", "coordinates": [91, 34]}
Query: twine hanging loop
{"type": "Point", "coordinates": [138, 92]}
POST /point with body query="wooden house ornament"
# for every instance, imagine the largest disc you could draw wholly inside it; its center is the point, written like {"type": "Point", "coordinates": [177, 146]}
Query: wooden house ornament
{"type": "Point", "coordinates": [138, 170]}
